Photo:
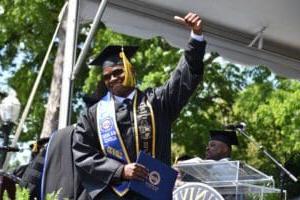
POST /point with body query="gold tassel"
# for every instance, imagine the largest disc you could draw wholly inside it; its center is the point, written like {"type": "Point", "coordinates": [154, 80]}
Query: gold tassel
{"type": "Point", "coordinates": [35, 148]}
{"type": "Point", "coordinates": [176, 160]}
{"type": "Point", "coordinates": [129, 80]}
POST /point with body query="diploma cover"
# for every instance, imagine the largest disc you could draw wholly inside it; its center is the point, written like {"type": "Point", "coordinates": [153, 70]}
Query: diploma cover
{"type": "Point", "coordinates": [161, 180]}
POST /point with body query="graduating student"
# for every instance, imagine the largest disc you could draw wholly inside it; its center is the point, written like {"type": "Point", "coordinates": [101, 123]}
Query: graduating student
{"type": "Point", "coordinates": [31, 173]}
{"type": "Point", "coordinates": [109, 136]}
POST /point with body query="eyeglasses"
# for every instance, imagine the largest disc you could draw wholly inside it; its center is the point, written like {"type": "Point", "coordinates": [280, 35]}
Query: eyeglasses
{"type": "Point", "coordinates": [115, 73]}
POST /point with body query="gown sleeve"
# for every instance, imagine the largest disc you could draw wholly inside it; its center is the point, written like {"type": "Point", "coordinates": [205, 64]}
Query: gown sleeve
{"type": "Point", "coordinates": [174, 94]}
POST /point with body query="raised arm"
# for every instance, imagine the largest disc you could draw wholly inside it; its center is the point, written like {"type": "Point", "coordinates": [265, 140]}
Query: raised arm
{"type": "Point", "coordinates": [174, 94]}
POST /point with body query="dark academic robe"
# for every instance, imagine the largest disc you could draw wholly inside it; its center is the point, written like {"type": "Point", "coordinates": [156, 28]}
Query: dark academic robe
{"type": "Point", "coordinates": [58, 172]}
{"type": "Point", "coordinates": [98, 171]}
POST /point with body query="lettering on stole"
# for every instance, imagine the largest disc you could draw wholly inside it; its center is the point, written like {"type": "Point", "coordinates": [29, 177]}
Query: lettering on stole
{"type": "Point", "coordinates": [144, 126]}
{"type": "Point", "coordinates": [196, 191]}
{"type": "Point", "coordinates": [114, 152]}
{"type": "Point", "coordinates": [107, 132]}
{"type": "Point", "coordinates": [108, 135]}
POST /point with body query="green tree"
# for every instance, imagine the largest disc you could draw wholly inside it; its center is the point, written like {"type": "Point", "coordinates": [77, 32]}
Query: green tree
{"type": "Point", "coordinates": [229, 93]}
{"type": "Point", "coordinates": [271, 110]}
{"type": "Point", "coordinates": [26, 29]}
{"type": "Point", "coordinates": [210, 107]}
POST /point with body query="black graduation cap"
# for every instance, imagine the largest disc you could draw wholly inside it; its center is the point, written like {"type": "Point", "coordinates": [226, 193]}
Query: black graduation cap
{"type": "Point", "coordinates": [110, 56]}
{"type": "Point", "coordinates": [228, 137]}
{"type": "Point", "coordinates": [39, 143]}
{"type": "Point", "coordinates": [182, 158]}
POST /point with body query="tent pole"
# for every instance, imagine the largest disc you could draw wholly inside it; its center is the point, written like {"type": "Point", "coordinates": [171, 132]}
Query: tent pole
{"type": "Point", "coordinates": [69, 60]}
{"type": "Point", "coordinates": [89, 38]}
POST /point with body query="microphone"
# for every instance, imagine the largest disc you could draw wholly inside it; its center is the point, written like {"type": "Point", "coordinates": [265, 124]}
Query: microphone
{"type": "Point", "coordinates": [240, 125]}
{"type": "Point", "coordinates": [9, 149]}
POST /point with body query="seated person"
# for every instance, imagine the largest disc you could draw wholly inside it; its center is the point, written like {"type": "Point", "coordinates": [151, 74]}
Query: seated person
{"type": "Point", "coordinates": [182, 158]}
{"type": "Point", "coordinates": [219, 145]}
{"type": "Point", "coordinates": [30, 173]}
{"type": "Point", "coordinates": [182, 177]}
{"type": "Point", "coordinates": [179, 159]}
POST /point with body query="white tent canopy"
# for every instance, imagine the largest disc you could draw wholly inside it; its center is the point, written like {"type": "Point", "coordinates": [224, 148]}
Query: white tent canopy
{"type": "Point", "coordinates": [248, 32]}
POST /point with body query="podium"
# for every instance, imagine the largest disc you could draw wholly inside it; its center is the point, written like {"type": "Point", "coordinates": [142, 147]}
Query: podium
{"type": "Point", "coordinates": [234, 180]}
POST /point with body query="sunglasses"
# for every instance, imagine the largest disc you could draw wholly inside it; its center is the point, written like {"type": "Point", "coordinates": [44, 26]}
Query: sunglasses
{"type": "Point", "coordinates": [115, 73]}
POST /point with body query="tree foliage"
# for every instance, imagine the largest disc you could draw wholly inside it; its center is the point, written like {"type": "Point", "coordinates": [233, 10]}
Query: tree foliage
{"type": "Point", "coordinates": [229, 93]}
{"type": "Point", "coordinates": [272, 113]}
{"type": "Point", "coordinates": [26, 28]}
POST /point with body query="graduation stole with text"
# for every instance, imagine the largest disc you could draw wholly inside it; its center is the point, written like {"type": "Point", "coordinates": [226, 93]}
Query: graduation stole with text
{"type": "Point", "coordinates": [110, 137]}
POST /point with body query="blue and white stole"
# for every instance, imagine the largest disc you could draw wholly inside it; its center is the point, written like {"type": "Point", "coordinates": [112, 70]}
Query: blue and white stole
{"type": "Point", "coordinates": [111, 140]}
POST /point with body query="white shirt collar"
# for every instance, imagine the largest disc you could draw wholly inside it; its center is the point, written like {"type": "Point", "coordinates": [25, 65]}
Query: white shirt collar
{"type": "Point", "coordinates": [119, 99]}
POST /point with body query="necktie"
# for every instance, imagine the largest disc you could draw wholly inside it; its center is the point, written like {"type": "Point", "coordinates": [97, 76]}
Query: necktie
{"type": "Point", "coordinates": [127, 102]}
{"type": "Point", "coordinates": [125, 122]}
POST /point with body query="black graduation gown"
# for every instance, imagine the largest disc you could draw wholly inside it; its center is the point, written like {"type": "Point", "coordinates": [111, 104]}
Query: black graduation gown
{"type": "Point", "coordinates": [59, 174]}
{"type": "Point", "coordinates": [31, 179]}
{"type": "Point", "coordinates": [98, 171]}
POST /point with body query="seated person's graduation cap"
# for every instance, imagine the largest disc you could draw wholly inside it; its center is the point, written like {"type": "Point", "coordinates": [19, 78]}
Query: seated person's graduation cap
{"type": "Point", "coordinates": [182, 158]}
{"type": "Point", "coordinates": [35, 147]}
{"type": "Point", "coordinates": [110, 56]}
{"type": "Point", "coordinates": [228, 137]}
